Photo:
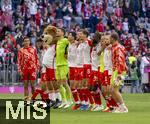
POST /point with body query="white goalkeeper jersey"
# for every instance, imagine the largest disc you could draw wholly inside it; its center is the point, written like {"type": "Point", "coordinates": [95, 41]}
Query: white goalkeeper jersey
{"type": "Point", "coordinates": [49, 57]}
{"type": "Point", "coordinates": [72, 55]}
{"type": "Point", "coordinates": [108, 59]}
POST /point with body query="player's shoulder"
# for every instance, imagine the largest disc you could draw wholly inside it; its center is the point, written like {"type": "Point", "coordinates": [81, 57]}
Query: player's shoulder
{"type": "Point", "coordinates": [32, 48]}
{"type": "Point", "coordinates": [64, 41]}
{"type": "Point", "coordinates": [89, 41]}
{"type": "Point", "coordinates": [21, 49]}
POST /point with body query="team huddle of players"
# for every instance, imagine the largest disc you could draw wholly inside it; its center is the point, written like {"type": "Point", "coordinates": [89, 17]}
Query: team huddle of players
{"type": "Point", "coordinates": [79, 67]}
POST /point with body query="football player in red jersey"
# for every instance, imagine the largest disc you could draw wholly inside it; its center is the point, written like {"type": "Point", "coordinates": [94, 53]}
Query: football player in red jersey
{"type": "Point", "coordinates": [28, 65]}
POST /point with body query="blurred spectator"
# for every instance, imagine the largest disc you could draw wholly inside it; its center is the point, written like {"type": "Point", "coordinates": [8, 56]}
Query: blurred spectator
{"type": "Point", "coordinates": [93, 22]}
{"type": "Point", "coordinates": [79, 7]}
{"type": "Point", "coordinates": [134, 78]}
{"type": "Point", "coordinates": [32, 5]}
{"type": "Point", "coordinates": [125, 25]}
{"type": "Point", "coordinates": [130, 18]}
{"type": "Point", "coordinates": [67, 10]}
{"type": "Point", "coordinates": [127, 42]}
{"type": "Point", "coordinates": [132, 59]}
{"type": "Point", "coordinates": [59, 11]}
{"type": "Point", "coordinates": [6, 5]}
{"type": "Point", "coordinates": [118, 11]}
{"type": "Point", "coordinates": [86, 13]}
{"type": "Point", "coordinates": [147, 8]}
{"type": "Point", "coordinates": [1, 53]}
{"type": "Point", "coordinates": [145, 70]}
{"type": "Point", "coordinates": [100, 26]}
{"type": "Point", "coordinates": [38, 17]}
{"type": "Point", "coordinates": [7, 18]}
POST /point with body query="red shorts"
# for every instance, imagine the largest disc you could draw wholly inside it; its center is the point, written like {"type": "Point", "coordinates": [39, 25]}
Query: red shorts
{"type": "Point", "coordinates": [29, 74]}
{"type": "Point", "coordinates": [101, 78]}
{"type": "Point", "coordinates": [72, 71]}
{"type": "Point", "coordinates": [79, 74]}
{"type": "Point", "coordinates": [49, 75]}
{"type": "Point", "coordinates": [104, 78]}
{"type": "Point", "coordinates": [93, 78]}
{"type": "Point", "coordinates": [87, 70]}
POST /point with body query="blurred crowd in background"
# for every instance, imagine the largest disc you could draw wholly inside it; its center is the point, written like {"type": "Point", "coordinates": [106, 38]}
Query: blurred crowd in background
{"type": "Point", "coordinates": [130, 18]}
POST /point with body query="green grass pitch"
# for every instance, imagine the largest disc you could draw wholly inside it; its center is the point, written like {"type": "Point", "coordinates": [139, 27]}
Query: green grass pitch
{"type": "Point", "coordinates": [138, 104]}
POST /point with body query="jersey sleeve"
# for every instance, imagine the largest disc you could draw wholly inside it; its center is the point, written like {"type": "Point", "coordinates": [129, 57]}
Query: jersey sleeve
{"type": "Point", "coordinates": [66, 46]}
{"type": "Point", "coordinates": [90, 43]}
{"type": "Point", "coordinates": [19, 61]}
{"type": "Point", "coordinates": [119, 61]}
{"type": "Point", "coordinates": [37, 60]}
{"type": "Point", "coordinates": [66, 42]}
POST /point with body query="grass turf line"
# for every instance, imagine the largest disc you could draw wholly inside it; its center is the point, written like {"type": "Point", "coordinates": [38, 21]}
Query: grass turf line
{"type": "Point", "coordinates": [138, 104]}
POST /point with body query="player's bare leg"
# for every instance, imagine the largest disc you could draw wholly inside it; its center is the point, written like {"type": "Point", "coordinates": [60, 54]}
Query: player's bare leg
{"type": "Point", "coordinates": [51, 93]}
{"type": "Point", "coordinates": [74, 88]}
{"type": "Point", "coordinates": [119, 99]}
{"type": "Point", "coordinates": [68, 92]}
{"type": "Point", "coordinates": [32, 86]}
{"type": "Point", "coordinates": [97, 99]}
{"type": "Point", "coordinates": [26, 90]}
{"type": "Point", "coordinates": [85, 93]}
{"type": "Point", "coordinates": [117, 95]}
{"type": "Point", "coordinates": [44, 85]}
{"type": "Point", "coordinates": [80, 92]}
{"type": "Point", "coordinates": [58, 102]}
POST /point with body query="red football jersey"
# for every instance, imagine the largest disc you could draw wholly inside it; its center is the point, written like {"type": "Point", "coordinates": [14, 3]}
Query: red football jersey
{"type": "Point", "coordinates": [118, 58]}
{"type": "Point", "coordinates": [28, 59]}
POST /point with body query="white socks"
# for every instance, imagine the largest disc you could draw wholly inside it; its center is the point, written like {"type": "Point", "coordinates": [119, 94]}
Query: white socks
{"type": "Point", "coordinates": [58, 96]}
{"type": "Point", "coordinates": [52, 96]}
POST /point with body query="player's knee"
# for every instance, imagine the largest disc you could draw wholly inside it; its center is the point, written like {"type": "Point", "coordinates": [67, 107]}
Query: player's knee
{"type": "Point", "coordinates": [25, 85]}
{"type": "Point", "coordinates": [104, 89]}
{"type": "Point", "coordinates": [93, 88]}
{"type": "Point", "coordinates": [43, 87]}
{"type": "Point", "coordinates": [66, 85]}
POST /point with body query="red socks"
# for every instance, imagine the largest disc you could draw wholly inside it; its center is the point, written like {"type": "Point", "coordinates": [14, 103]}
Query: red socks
{"type": "Point", "coordinates": [89, 96]}
{"type": "Point", "coordinates": [80, 91]}
{"type": "Point", "coordinates": [112, 102]}
{"type": "Point", "coordinates": [106, 99]}
{"type": "Point", "coordinates": [43, 95]}
{"type": "Point", "coordinates": [97, 98]}
{"type": "Point", "coordinates": [75, 95]}
{"type": "Point", "coordinates": [36, 92]}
